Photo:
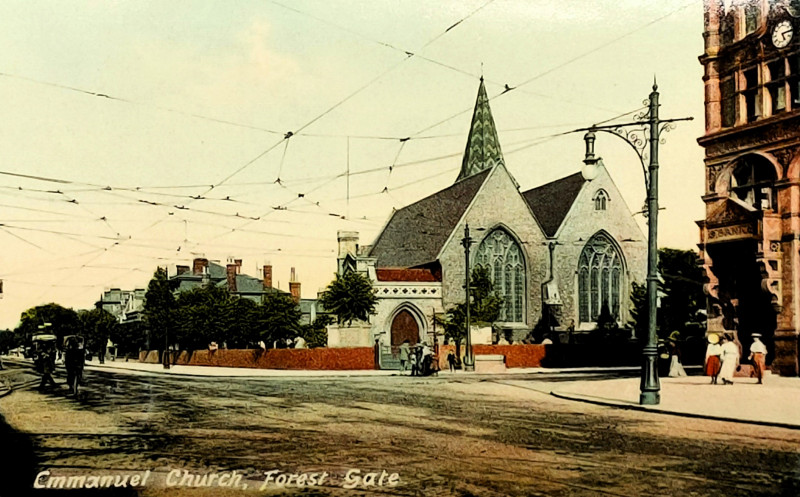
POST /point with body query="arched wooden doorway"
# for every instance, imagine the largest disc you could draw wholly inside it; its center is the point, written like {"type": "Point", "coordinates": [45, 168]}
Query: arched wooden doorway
{"type": "Point", "coordinates": [404, 327]}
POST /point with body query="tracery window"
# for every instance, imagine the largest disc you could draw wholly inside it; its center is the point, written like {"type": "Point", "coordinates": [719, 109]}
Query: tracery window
{"type": "Point", "coordinates": [502, 257]}
{"type": "Point", "coordinates": [599, 278]}
{"type": "Point", "coordinates": [600, 200]}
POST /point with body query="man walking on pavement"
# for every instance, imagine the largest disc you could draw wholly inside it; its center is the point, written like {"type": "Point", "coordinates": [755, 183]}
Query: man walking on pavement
{"type": "Point", "coordinates": [758, 355]}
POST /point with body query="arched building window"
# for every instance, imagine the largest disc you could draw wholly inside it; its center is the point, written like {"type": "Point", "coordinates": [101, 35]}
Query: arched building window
{"type": "Point", "coordinates": [600, 200]}
{"type": "Point", "coordinates": [753, 182]}
{"type": "Point", "coordinates": [502, 256]}
{"type": "Point", "coordinates": [599, 278]}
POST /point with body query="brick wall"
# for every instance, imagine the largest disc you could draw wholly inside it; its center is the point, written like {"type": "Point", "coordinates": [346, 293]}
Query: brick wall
{"type": "Point", "coordinates": [517, 356]}
{"type": "Point", "coordinates": [314, 359]}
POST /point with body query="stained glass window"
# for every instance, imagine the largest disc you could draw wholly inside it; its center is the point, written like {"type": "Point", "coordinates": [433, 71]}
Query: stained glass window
{"type": "Point", "coordinates": [502, 256]}
{"type": "Point", "coordinates": [599, 278]}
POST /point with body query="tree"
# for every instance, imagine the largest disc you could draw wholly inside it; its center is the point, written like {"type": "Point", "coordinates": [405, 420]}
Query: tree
{"type": "Point", "coordinates": [159, 310]}
{"type": "Point", "coordinates": [129, 337]}
{"type": "Point", "coordinates": [350, 297]}
{"type": "Point", "coordinates": [639, 310]}
{"type": "Point", "coordinates": [278, 318]}
{"type": "Point", "coordinates": [202, 316]}
{"type": "Point", "coordinates": [683, 289]}
{"type": "Point", "coordinates": [316, 333]}
{"type": "Point", "coordinates": [50, 318]}
{"type": "Point", "coordinates": [485, 306]}
{"type": "Point", "coordinates": [97, 326]}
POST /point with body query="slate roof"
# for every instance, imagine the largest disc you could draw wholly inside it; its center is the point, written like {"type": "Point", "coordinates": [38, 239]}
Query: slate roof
{"type": "Point", "coordinates": [551, 202]}
{"type": "Point", "coordinates": [483, 146]}
{"type": "Point", "coordinates": [416, 233]}
{"type": "Point", "coordinates": [408, 274]}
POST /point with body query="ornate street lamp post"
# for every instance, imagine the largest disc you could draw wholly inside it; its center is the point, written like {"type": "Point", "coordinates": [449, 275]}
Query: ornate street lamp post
{"type": "Point", "coordinates": [647, 129]}
{"type": "Point", "coordinates": [469, 359]}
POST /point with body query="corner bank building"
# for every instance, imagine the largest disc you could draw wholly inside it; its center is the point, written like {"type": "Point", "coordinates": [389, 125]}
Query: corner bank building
{"type": "Point", "coordinates": [571, 246]}
{"type": "Point", "coordinates": [750, 237]}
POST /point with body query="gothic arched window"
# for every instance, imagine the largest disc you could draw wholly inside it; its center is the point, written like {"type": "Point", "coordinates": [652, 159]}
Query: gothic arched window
{"type": "Point", "coordinates": [600, 200]}
{"type": "Point", "coordinates": [599, 278]}
{"type": "Point", "coordinates": [502, 257]}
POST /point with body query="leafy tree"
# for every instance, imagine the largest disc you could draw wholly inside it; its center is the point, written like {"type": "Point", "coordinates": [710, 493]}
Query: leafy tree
{"type": "Point", "coordinates": [97, 327]}
{"type": "Point", "coordinates": [350, 297]}
{"type": "Point", "coordinates": [683, 289]}
{"type": "Point", "coordinates": [278, 318]}
{"type": "Point", "coordinates": [316, 333]}
{"type": "Point", "coordinates": [62, 322]}
{"type": "Point", "coordinates": [639, 311]}
{"type": "Point", "coordinates": [485, 306]}
{"type": "Point", "coordinates": [159, 310]}
{"type": "Point", "coordinates": [203, 316]}
{"type": "Point", "coordinates": [129, 337]}
{"type": "Point", "coordinates": [8, 341]}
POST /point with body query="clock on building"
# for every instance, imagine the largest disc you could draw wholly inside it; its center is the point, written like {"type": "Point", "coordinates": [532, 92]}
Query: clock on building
{"type": "Point", "coordinates": [782, 34]}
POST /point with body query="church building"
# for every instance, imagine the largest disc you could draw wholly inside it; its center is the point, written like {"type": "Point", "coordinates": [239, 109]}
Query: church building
{"type": "Point", "coordinates": [750, 237]}
{"type": "Point", "coordinates": [570, 246]}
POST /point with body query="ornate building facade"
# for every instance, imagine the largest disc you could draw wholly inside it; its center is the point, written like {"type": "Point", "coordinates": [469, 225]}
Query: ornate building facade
{"type": "Point", "coordinates": [750, 237]}
{"type": "Point", "coordinates": [570, 247]}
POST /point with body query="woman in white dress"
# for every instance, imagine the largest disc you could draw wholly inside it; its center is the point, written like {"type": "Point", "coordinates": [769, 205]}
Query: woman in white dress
{"type": "Point", "coordinates": [729, 358]}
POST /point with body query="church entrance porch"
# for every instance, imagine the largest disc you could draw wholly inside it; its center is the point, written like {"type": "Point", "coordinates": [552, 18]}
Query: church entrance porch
{"type": "Point", "coordinates": [741, 306]}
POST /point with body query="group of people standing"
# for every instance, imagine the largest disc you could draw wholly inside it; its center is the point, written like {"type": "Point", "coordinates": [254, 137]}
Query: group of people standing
{"type": "Point", "coordinates": [723, 357]}
{"type": "Point", "coordinates": [420, 358]}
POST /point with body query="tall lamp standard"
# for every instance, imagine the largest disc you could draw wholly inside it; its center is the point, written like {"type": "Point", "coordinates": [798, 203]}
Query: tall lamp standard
{"type": "Point", "coordinates": [467, 241]}
{"type": "Point", "coordinates": [645, 130]}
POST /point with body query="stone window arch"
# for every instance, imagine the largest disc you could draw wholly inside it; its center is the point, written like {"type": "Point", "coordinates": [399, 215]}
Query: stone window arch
{"type": "Point", "coordinates": [752, 181]}
{"type": "Point", "coordinates": [502, 256]}
{"type": "Point", "coordinates": [600, 200]}
{"type": "Point", "coordinates": [600, 269]}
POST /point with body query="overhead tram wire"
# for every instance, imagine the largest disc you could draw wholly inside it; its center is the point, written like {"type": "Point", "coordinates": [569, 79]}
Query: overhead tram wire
{"type": "Point", "coordinates": [134, 102]}
{"type": "Point", "coordinates": [357, 91]}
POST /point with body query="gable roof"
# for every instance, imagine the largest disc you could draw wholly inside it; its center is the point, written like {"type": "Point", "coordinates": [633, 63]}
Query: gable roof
{"type": "Point", "coordinates": [483, 146]}
{"type": "Point", "coordinates": [416, 233]}
{"type": "Point", "coordinates": [551, 202]}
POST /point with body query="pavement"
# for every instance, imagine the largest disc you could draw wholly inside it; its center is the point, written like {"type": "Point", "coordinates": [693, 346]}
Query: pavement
{"type": "Point", "coordinates": [774, 403]}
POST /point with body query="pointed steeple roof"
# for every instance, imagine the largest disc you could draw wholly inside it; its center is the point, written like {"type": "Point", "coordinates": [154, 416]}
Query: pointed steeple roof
{"type": "Point", "coordinates": [483, 147]}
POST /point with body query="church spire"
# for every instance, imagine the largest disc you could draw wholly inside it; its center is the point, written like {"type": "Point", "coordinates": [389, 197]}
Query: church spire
{"type": "Point", "coordinates": [483, 147]}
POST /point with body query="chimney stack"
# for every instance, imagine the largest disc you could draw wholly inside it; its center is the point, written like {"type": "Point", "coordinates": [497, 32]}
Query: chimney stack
{"type": "Point", "coordinates": [294, 288]}
{"type": "Point", "coordinates": [231, 274]}
{"type": "Point", "coordinates": [199, 266]}
{"type": "Point", "coordinates": [267, 277]}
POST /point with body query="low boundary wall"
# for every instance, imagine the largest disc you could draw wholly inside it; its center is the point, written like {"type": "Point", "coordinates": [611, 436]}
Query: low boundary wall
{"type": "Point", "coordinates": [339, 359]}
{"type": "Point", "coordinates": [517, 356]}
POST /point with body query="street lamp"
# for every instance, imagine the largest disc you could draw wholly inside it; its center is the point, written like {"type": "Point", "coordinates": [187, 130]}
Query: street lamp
{"type": "Point", "coordinates": [467, 241]}
{"type": "Point", "coordinates": [647, 131]}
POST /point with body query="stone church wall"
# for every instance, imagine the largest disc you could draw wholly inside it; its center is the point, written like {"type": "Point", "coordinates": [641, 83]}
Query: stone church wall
{"type": "Point", "coordinates": [581, 223]}
{"type": "Point", "coordinates": [497, 204]}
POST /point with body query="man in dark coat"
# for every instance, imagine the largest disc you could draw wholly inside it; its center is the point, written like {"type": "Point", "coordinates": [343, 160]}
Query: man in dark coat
{"type": "Point", "coordinates": [74, 359]}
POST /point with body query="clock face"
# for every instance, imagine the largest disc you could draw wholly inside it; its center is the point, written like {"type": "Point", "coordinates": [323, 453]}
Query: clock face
{"type": "Point", "coordinates": [782, 34]}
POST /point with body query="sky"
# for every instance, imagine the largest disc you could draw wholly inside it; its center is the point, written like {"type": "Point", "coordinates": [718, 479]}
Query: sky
{"type": "Point", "coordinates": [138, 134]}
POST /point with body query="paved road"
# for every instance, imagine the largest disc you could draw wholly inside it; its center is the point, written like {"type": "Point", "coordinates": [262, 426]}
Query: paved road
{"type": "Point", "coordinates": [456, 436]}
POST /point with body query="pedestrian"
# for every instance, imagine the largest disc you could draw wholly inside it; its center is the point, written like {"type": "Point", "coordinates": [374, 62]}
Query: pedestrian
{"type": "Point", "coordinates": [729, 358]}
{"type": "Point", "coordinates": [713, 352]}
{"type": "Point", "coordinates": [74, 359]}
{"type": "Point", "coordinates": [758, 356]}
{"type": "Point", "coordinates": [675, 365]}
{"type": "Point", "coordinates": [451, 360]}
{"type": "Point", "coordinates": [46, 364]}
{"type": "Point", "coordinates": [413, 358]}
{"type": "Point", "coordinates": [426, 364]}
{"type": "Point", "coordinates": [404, 355]}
